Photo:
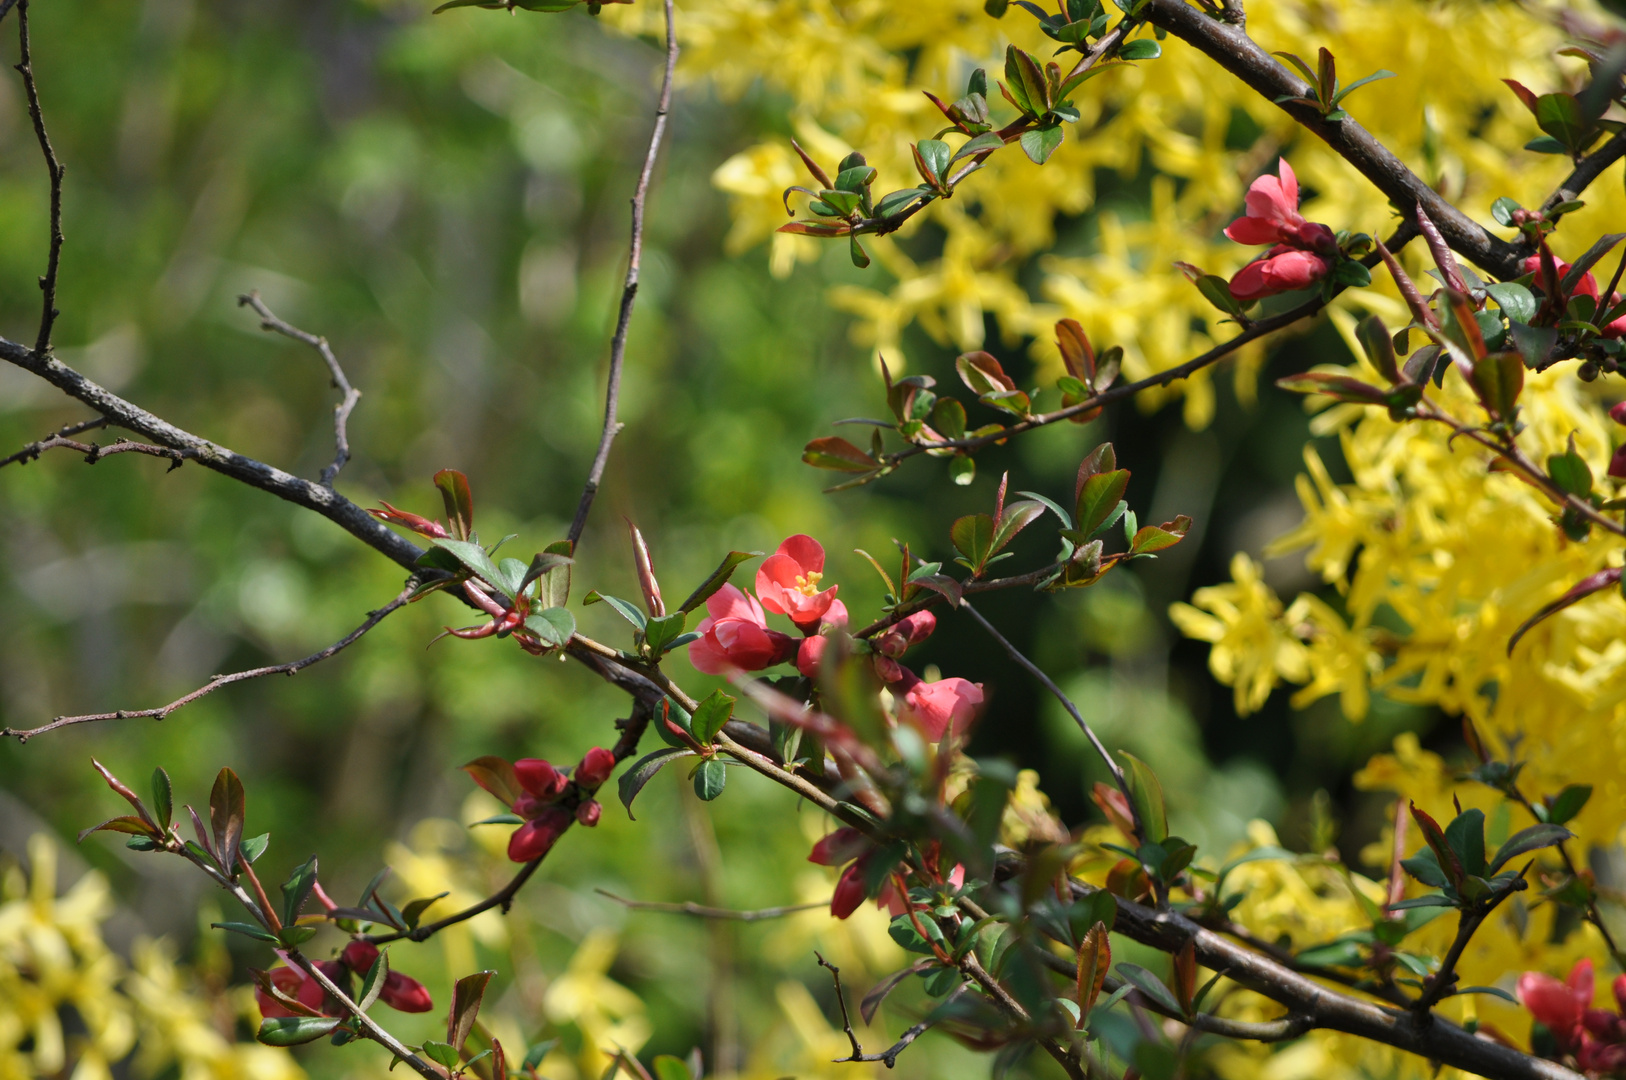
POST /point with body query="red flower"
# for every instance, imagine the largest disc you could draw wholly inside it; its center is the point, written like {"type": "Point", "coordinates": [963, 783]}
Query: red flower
{"type": "Point", "coordinates": [533, 839]}
{"type": "Point", "coordinates": [1617, 469]}
{"type": "Point", "coordinates": [1283, 269]}
{"type": "Point", "coordinates": [735, 634]}
{"type": "Point", "coordinates": [1587, 286]}
{"type": "Point", "coordinates": [841, 846]}
{"type": "Point", "coordinates": [595, 768]}
{"type": "Point", "coordinates": [788, 582]}
{"type": "Point", "coordinates": [301, 987]}
{"type": "Point", "coordinates": [810, 653]}
{"type": "Point", "coordinates": [400, 992]}
{"type": "Point", "coordinates": [939, 707]}
{"type": "Point", "coordinates": [1303, 251]}
{"type": "Point", "coordinates": [1559, 1006]}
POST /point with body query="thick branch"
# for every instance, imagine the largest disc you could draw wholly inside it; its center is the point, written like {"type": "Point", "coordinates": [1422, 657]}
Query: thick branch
{"type": "Point", "coordinates": [349, 395]}
{"type": "Point", "coordinates": [1236, 52]}
{"type": "Point", "coordinates": [256, 474]}
{"type": "Point", "coordinates": [55, 169]}
{"type": "Point", "coordinates": [291, 668]}
{"type": "Point", "coordinates": [629, 291]}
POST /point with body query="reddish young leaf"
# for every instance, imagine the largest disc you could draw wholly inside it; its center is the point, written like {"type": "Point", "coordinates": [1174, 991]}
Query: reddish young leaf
{"type": "Point", "coordinates": [1435, 836]}
{"type": "Point", "coordinates": [497, 776]}
{"type": "Point", "coordinates": [983, 374]}
{"type": "Point", "coordinates": [459, 500]}
{"type": "Point", "coordinates": [1076, 352]}
{"type": "Point", "coordinates": [1582, 589]}
{"type": "Point", "coordinates": [833, 452]}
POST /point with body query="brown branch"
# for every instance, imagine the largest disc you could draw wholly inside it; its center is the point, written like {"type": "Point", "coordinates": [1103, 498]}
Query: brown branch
{"type": "Point", "coordinates": [701, 911]}
{"type": "Point", "coordinates": [1440, 983]}
{"type": "Point", "coordinates": [629, 291]}
{"type": "Point", "coordinates": [256, 474]}
{"type": "Point", "coordinates": [349, 394]}
{"type": "Point", "coordinates": [54, 168]}
{"type": "Point", "coordinates": [632, 730]}
{"type": "Point", "coordinates": [94, 452]}
{"type": "Point", "coordinates": [888, 1057]}
{"type": "Point", "coordinates": [1586, 170]}
{"type": "Point", "coordinates": [1236, 52]}
{"type": "Point", "coordinates": [290, 668]}
{"type": "Point", "coordinates": [32, 451]}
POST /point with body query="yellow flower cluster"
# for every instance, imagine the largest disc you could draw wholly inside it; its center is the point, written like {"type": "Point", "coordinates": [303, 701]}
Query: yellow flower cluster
{"type": "Point", "coordinates": [853, 71]}
{"type": "Point", "coordinates": [53, 962]}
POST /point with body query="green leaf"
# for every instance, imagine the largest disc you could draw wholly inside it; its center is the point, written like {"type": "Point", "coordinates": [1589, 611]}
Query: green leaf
{"type": "Point", "coordinates": [1498, 379]}
{"type": "Point", "coordinates": [252, 848]}
{"type": "Point", "coordinates": [163, 798]}
{"type": "Point", "coordinates": [984, 142]}
{"type": "Point", "coordinates": [710, 716]}
{"type": "Point", "coordinates": [1559, 115]}
{"type": "Point", "coordinates": [247, 930]}
{"type": "Point", "coordinates": [1150, 985]}
{"type": "Point", "coordinates": [547, 565]}
{"type": "Point", "coordinates": [297, 889]}
{"type": "Point", "coordinates": [643, 771]}
{"type": "Point", "coordinates": [1015, 518]}
{"type": "Point", "coordinates": [1381, 73]}
{"type": "Point", "coordinates": [1425, 868]}
{"type": "Point", "coordinates": [973, 537]}
{"type": "Point", "coordinates": [412, 913]}
{"type": "Point", "coordinates": [1098, 499]}
{"type": "Point", "coordinates": [554, 626]}
{"type": "Point", "coordinates": [294, 936]}
{"type": "Point", "coordinates": [1524, 841]}
{"type": "Point", "coordinates": [1466, 835]}
{"type": "Point", "coordinates": [459, 503]}
{"type": "Point", "coordinates": [441, 1053]}
{"type": "Point", "coordinates": [294, 1030]}
{"type": "Point", "coordinates": [373, 983]}
{"type": "Point", "coordinates": [1342, 387]}
{"type": "Point", "coordinates": [667, 1067]}
{"type": "Point", "coordinates": [126, 823]}
{"type": "Point", "coordinates": [860, 257]}
{"type": "Point", "coordinates": [1147, 794]}
{"type": "Point", "coordinates": [1039, 143]}
{"type": "Point", "coordinates": [1140, 49]}
{"type": "Point", "coordinates": [1379, 347]}
{"type": "Point", "coordinates": [473, 557]}
{"type": "Point", "coordinates": [1158, 537]}
{"type": "Point", "coordinates": [962, 470]}
{"type": "Point", "coordinates": [627, 610]}
{"type": "Point", "coordinates": [983, 374]}
{"type": "Point", "coordinates": [1431, 900]}
{"type": "Point", "coordinates": [1568, 803]}
{"type": "Point", "coordinates": [499, 819]}
{"type": "Point", "coordinates": [1569, 471]}
{"type": "Point", "coordinates": [1061, 515]}
{"type": "Point", "coordinates": [1516, 301]}
{"type": "Point", "coordinates": [1502, 210]}
{"type": "Point", "coordinates": [662, 629]}
{"type": "Point", "coordinates": [709, 779]}
{"type": "Point", "coordinates": [1217, 291]}
{"type": "Point", "coordinates": [936, 155]}
{"type": "Point", "coordinates": [226, 808]}
{"type": "Point", "coordinates": [948, 418]}
{"type": "Point", "coordinates": [1493, 991]}
{"type": "Point", "coordinates": [855, 179]}
{"type": "Point", "coordinates": [1546, 144]}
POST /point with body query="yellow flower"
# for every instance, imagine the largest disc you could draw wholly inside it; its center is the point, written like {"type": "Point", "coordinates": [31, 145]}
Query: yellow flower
{"type": "Point", "coordinates": [1252, 645]}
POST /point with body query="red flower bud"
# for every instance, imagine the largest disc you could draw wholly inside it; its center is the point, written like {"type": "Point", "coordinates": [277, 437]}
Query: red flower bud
{"type": "Point", "coordinates": [588, 813]}
{"type": "Point", "coordinates": [1617, 412]}
{"type": "Point", "coordinates": [539, 778]}
{"type": "Point", "coordinates": [1559, 1005]}
{"type": "Point", "coordinates": [842, 846]}
{"type": "Point", "coordinates": [405, 994]}
{"type": "Point", "coordinates": [849, 891]}
{"type": "Point", "coordinates": [295, 984]}
{"type": "Point", "coordinates": [810, 653]}
{"type": "Point", "coordinates": [595, 768]}
{"type": "Point", "coordinates": [533, 839]}
{"type": "Point", "coordinates": [416, 522]}
{"type": "Point", "coordinates": [359, 956]}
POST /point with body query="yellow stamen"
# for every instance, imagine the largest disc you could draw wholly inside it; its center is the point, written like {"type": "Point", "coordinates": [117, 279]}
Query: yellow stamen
{"type": "Point", "coordinates": [808, 584]}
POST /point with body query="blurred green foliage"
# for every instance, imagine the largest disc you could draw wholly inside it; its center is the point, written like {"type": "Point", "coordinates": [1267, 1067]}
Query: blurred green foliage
{"type": "Point", "coordinates": [446, 201]}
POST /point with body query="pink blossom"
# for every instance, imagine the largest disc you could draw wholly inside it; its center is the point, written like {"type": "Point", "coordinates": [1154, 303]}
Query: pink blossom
{"type": "Point", "coordinates": [904, 633]}
{"type": "Point", "coordinates": [1559, 1006]}
{"type": "Point", "coordinates": [788, 582]}
{"type": "Point", "coordinates": [735, 635]}
{"type": "Point", "coordinates": [1283, 269]}
{"type": "Point", "coordinates": [1273, 210]}
{"type": "Point", "coordinates": [940, 707]}
{"type": "Point", "coordinates": [1587, 286]}
{"type": "Point", "coordinates": [810, 653]}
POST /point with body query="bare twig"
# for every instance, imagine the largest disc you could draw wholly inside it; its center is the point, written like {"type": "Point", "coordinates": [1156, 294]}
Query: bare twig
{"type": "Point", "coordinates": [1049, 684]}
{"type": "Point", "coordinates": [349, 394]}
{"type": "Point", "coordinates": [94, 452]}
{"type": "Point", "coordinates": [291, 668]}
{"type": "Point", "coordinates": [689, 907]}
{"type": "Point", "coordinates": [889, 1056]}
{"type": "Point", "coordinates": [6, 6]}
{"type": "Point", "coordinates": [629, 291]}
{"type": "Point", "coordinates": [54, 168]}
{"type": "Point", "coordinates": [34, 449]}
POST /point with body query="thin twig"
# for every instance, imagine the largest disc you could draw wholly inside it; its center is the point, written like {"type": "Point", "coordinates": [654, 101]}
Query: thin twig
{"type": "Point", "coordinates": [629, 291]}
{"type": "Point", "coordinates": [889, 1056]}
{"type": "Point", "coordinates": [1440, 984]}
{"type": "Point", "coordinates": [349, 394]}
{"type": "Point", "coordinates": [689, 907]}
{"type": "Point", "coordinates": [34, 449]}
{"type": "Point", "coordinates": [1049, 684]}
{"type": "Point", "coordinates": [52, 166]}
{"type": "Point", "coordinates": [94, 452]}
{"type": "Point", "coordinates": [377, 1033]}
{"type": "Point", "coordinates": [290, 668]}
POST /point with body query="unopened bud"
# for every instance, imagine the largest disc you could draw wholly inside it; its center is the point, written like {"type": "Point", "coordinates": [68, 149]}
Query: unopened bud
{"type": "Point", "coordinates": [539, 778]}
{"type": "Point", "coordinates": [595, 768]}
{"type": "Point", "coordinates": [359, 956]}
{"type": "Point", "coordinates": [533, 839]}
{"type": "Point", "coordinates": [587, 814]}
